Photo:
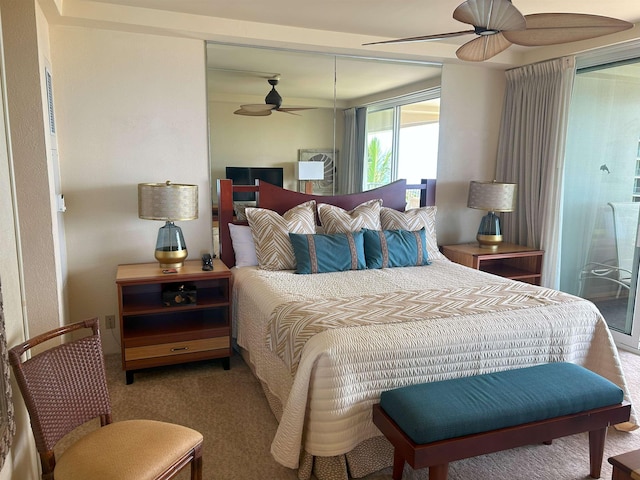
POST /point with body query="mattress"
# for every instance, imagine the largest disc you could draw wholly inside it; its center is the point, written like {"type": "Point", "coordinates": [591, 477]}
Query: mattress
{"type": "Point", "coordinates": [326, 345]}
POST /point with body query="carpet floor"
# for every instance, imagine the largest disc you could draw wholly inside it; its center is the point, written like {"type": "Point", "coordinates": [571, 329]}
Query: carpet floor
{"type": "Point", "coordinates": [229, 408]}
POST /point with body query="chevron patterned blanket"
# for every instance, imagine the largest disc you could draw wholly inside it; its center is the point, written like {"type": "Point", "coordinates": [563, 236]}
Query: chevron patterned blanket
{"type": "Point", "coordinates": [293, 323]}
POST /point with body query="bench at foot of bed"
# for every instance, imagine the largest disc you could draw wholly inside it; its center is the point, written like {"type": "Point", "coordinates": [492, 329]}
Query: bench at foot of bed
{"type": "Point", "coordinates": [432, 424]}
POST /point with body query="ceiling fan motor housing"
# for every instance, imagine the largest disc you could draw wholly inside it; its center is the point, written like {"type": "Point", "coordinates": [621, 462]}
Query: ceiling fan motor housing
{"type": "Point", "coordinates": [273, 97]}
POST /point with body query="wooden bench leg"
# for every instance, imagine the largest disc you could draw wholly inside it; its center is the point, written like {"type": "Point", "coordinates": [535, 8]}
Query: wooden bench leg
{"type": "Point", "coordinates": [398, 465]}
{"type": "Point", "coordinates": [439, 472]}
{"type": "Point", "coordinates": [596, 450]}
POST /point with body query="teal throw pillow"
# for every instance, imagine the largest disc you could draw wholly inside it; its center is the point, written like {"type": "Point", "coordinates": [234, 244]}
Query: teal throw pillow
{"type": "Point", "coordinates": [395, 248]}
{"type": "Point", "coordinates": [322, 253]}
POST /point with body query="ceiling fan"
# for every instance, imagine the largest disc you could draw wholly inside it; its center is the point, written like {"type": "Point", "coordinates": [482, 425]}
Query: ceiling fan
{"type": "Point", "coordinates": [272, 102]}
{"type": "Point", "coordinates": [498, 24]}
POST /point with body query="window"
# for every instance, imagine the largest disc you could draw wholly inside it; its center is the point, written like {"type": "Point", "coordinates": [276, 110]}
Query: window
{"type": "Point", "coordinates": [402, 141]}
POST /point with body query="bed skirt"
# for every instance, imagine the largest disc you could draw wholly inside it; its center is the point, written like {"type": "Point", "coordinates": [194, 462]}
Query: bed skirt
{"type": "Point", "coordinates": [370, 456]}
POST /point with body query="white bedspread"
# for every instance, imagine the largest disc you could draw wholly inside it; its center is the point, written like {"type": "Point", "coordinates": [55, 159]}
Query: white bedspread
{"type": "Point", "coordinates": [340, 372]}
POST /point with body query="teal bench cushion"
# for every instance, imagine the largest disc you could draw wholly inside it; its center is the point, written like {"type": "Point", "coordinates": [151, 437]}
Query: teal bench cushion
{"type": "Point", "coordinates": [435, 411]}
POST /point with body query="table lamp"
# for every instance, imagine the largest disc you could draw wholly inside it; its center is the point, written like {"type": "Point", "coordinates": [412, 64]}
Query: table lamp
{"type": "Point", "coordinates": [168, 202]}
{"type": "Point", "coordinates": [308, 171]}
{"type": "Point", "coordinates": [494, 197]}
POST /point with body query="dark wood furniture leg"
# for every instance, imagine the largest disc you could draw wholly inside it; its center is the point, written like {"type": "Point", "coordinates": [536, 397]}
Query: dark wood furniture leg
{"type": "Point", "coordinates": [398, 465]}
{"type": "Point", "coordinates": [439, 472]}
{"type": "Point", "coordinates": [596, 450]}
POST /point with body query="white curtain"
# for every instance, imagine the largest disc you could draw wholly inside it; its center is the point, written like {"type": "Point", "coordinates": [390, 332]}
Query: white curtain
{"type": "Point", "coordinates": [531, 153]}
{"type": "Point", "coordinates": [351, 164]}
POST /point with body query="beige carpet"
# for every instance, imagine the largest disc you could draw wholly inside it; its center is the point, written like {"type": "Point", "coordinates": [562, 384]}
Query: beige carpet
{"type": "Point", "coordinates": [228, 407]}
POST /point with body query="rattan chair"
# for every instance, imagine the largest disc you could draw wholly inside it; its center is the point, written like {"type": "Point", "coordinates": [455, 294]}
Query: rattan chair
{"type": "Point", "coordinates": [64, 387]}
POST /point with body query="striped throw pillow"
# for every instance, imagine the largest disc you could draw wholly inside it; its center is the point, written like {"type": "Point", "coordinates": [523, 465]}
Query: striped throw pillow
{"type": "Point", "coordinates": [412, 220]}
{"type": "Point", "coordinates": [270, 232]}
{"type": "Point", "coordinates": [338, 220]}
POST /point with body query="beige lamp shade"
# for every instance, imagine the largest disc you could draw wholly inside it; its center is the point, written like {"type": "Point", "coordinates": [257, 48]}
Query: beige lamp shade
{"type": "Point", "coordinates": [492, 196]}
{"type": "Point", "coordinates": [167, 201]}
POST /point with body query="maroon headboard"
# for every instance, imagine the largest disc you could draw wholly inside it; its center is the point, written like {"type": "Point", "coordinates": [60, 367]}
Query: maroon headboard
{"type": "Point", "coordinates": [280, 200]}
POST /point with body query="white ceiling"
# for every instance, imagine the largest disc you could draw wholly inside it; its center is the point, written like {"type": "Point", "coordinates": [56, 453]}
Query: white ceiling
{"type": "Point", "coordinates": [337, 26]}
{"type": "Point", "coordinates": [376, 18]}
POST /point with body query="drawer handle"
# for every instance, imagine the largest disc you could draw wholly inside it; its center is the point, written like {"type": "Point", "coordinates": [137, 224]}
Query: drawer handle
{"type": "Point", "coordinates": [177, 349]}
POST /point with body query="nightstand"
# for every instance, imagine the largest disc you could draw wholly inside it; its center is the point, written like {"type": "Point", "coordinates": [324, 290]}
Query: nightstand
{"type": "Point", "coordinates": [155, 331]}
{"type": "Point", "coordinates": [625, 465]}
{"type": "Point", "coordinates": [507, 260]}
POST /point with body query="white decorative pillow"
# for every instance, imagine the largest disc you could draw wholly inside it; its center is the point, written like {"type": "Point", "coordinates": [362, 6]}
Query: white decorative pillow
{"type": "Point", "coordinates": [337, 220]}
{"type": "Point", "coordinates": [413, 220]}
{"type": "Point", "coordinates": [243, 245]}
{"type": "Point", "coordinates": [270, 233]}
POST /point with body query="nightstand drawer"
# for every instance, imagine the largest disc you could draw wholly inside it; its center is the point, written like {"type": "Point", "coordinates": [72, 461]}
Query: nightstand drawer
{"type": "Point", "coordinates": [175, 348]}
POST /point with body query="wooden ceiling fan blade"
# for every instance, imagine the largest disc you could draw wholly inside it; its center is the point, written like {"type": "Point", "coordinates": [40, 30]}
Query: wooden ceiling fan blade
{"type": "Point", "coordinates": [258, 107]}
{"type": "Point", "coordinates": [294, 109]}
{"type": "Point", "coordinates": [252, 113]}
{"type": "Point", "coordinates": [483, 48]}
{"type": "Point", "coordinates": [553, 28]}
{"type": "Point", "coordinates": [285, 110]}
{"type": "Point", "coordinates": [424, 38]}
{"type": "Point", "coordinates": [490, 14]}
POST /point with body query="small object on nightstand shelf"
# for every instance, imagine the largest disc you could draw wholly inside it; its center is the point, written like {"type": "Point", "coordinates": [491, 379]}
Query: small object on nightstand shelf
{"type": "Point", "coordinates": [507, 260]}
{"type": "Point", "coordinates": [207, 262]}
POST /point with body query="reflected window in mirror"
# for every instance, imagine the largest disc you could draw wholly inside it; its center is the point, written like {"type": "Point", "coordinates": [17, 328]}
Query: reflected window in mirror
{"type": "Point", "coordinates": [402, 141]}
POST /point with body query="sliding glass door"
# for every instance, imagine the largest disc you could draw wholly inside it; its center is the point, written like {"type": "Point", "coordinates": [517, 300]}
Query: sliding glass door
{"type": "Point", "coordinates": [601, 196]}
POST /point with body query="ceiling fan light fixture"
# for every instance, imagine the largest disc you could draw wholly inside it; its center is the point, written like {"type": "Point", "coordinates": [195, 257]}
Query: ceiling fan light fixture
{"type": "Point", "coordinates": [483, 32]}
{"type": "Point", "coordinates": [273, 97]}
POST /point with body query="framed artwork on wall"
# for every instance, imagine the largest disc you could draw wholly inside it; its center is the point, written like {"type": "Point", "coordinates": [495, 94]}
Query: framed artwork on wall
{"type": "Point", "coordinates": [329, 157]}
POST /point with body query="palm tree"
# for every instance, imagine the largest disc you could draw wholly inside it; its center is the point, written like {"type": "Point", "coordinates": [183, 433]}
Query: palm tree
{"type": "Point", "coordinates": [378, 164]}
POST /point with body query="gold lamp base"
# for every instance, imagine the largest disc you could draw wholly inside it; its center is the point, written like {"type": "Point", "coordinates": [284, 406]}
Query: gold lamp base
{"type": "Point", "coordinates": [489, 241]}
{"type": "Point", "coordinates": [171, 258]}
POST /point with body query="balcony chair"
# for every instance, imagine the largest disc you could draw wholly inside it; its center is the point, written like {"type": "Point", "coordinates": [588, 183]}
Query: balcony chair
{"type": "Point", "coordinates": [619, 269]}
{"type": "Point", "coordinates": [64, 387]}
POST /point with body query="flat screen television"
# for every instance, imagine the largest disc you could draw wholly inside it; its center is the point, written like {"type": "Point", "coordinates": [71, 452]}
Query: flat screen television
{"type": "Point", "coordinates": [249, 175]}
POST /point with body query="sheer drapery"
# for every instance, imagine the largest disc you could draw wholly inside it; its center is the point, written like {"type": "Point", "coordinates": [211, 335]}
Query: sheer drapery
{"type": "Point", "coordinates": [351, 163]}
{"type": "Point", "coordinates": [531, 153]}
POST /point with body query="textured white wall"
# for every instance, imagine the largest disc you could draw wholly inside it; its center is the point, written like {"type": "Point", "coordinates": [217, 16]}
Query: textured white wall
{"type": "Point", "coordinates": [131, 108]}
{"type": "Point", "coordinates": [470, 111]}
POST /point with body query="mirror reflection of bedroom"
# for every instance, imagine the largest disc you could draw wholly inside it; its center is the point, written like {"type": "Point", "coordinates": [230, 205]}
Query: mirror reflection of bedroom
{"type": "Point", "coordinates": [250, 140]}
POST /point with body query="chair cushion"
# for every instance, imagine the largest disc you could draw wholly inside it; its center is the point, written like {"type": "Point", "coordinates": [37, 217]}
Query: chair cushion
{"type": "Point", "coordinates": [127, 450]}
{"type": "Point", "coordinates": [462, 406]}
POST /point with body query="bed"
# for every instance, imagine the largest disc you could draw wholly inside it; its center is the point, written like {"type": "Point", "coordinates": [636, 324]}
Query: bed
{"type": "Point", "coordinates": [328, 330]}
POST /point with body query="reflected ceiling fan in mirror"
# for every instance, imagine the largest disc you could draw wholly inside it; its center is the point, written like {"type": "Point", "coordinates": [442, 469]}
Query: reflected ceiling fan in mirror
{"type": "Point", "coordinates": [272, 102]}
{"type": "Point", "coordinates": [498, 25]}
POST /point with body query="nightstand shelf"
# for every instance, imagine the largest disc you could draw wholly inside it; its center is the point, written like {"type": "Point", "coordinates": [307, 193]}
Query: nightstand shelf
{"type": "Point", "coordinates": [508, 260]}
{"type": "Point", "coordinates": [153, 334]}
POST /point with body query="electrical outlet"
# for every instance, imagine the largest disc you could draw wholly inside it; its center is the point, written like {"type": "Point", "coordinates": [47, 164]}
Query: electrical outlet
{"type": "Point", "coordinates": [110, 320]}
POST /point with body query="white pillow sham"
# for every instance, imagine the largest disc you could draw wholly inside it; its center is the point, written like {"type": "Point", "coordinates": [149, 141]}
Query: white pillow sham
{"type": "Point", "coordinates": [243, 245]}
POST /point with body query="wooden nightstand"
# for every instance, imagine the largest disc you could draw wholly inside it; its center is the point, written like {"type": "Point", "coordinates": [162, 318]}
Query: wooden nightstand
{"type": "Point", "coordinates": [153, 334]}
{"type": "Point", "coordinates": [508, 260]}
